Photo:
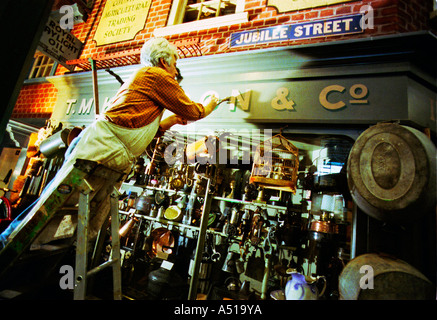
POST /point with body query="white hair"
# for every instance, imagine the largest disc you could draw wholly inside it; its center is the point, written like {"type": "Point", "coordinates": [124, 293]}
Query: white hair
{"type": "Point", "coordinates": [155, 49]}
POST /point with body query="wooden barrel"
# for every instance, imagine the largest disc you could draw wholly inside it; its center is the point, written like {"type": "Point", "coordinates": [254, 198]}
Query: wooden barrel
{"type": "Point", "coordinates": [393, 279]}
{"type": "Point", "coordinates": [391, 172]}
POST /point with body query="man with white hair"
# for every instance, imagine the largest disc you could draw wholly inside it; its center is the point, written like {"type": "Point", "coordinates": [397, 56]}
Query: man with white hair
{"type": "Point", "coordinates": [133, 118]}
{"type": "Point", "coordinates": [123, 132]}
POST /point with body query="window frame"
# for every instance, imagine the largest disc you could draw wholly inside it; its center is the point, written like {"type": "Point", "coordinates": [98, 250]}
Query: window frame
{"type": "Point", "coordinates": [177, 12]}
{"type": "Point", "coordinates": [40, 62]}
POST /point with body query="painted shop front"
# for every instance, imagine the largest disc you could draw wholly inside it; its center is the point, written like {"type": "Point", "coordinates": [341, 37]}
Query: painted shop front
{"type": "Point", "coordinates": [350, 121]}
{"type": "Point", "coordinates": [313, 94]}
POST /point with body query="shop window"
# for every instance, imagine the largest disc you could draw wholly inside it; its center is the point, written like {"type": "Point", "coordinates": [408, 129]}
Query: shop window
{"type": "Point", "coordinates": [42, 66]}
{"type": "Point", "coordinates": [192, 15]}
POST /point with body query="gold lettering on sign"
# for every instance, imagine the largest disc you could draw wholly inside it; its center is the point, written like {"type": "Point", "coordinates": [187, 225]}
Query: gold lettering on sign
{"type": "Point", "coordinates": [121, 20]}
{"type": "Point", "coordinates": [106, 104]}
{"type": "Point", "coordinates": [323, 97]}
{"type": "Point", "coordinates": [286, 6]}
{"type": "Point", "coordinates": [242, 99]}
{"type": "Point", "coordinates": [357, 91]}
{"type": "Point", "coordinates": [84, 108]}
{"type": "Point", "coordinates": [280, 102]}
{"type": "Point", "coordinates": [70, 103]}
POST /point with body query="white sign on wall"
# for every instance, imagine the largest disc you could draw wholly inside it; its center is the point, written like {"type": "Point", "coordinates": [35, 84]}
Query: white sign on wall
{"type": "Point", "coordinates": [59, 44]}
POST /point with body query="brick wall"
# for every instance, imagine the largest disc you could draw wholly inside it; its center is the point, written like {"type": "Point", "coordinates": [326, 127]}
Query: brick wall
{"type": "Point", "coordinates": [413, 15]}
{"type": "Point", "coordinates": [35, 101]}
{"type": "Point", "coordinates": [390, 17]}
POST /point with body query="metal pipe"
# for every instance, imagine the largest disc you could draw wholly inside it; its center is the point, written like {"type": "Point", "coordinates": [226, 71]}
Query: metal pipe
{"type": "Point", "coordinates": [101, 267]}
{"type": "Point", "coordinates": [265, 278]}
{"type": "Point", "coordinates": [192, 294]}
{"type": "Point", "coordinates": [82, 241]}
{"type": "Point", "coordinates": [116, 256]}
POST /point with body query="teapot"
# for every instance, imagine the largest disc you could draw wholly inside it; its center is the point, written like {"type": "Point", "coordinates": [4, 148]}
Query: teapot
{"type": "Point", "coordinates": [232, 284]}
{"type": "Point", "coordinates": [301, 287]}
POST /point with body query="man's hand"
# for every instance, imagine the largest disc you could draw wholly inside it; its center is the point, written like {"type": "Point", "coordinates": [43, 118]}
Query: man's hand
{"type": "Point", "coordinates": [211, 105]}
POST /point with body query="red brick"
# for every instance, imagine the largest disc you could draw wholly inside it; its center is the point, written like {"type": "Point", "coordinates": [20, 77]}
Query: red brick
{"type": "Point", "coordinates": [233, 27]}
{"type": "Point", "coordinates": [343, 10]}
{"type": "Point", "coordinates": [271, 21]}
{"type": "Point", "coordinates": [221, 41]}
{"type": "Point", "coordinates": [265, 15]}
{"type": "Point", "coordinates": [223, 29]}
{"type": "Point", "coordinates": [258, 23]}
{"type": "Point", "coordinates": [388, 11]}
{"type": "Point", "coordinates": [250, 5]}
{"type": "Point", "coordinates": [326, 12]}
{"type": "Point", "coordinates": [312, 14]}
{"type": "Point", "coordinates": [283, 19]}
{"type": "Point", "coordinates": [383, 3]}
{"type": "Point", "coordinates": [390, 28]}
{"type": "Point", "coordinates": [384, 20]}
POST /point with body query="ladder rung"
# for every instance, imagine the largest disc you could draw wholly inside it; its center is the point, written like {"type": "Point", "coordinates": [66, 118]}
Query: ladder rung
{"type": "Point", "coordinates": [101, 267]}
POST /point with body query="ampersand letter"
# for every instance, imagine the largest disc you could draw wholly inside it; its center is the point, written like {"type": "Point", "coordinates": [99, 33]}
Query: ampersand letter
{"type": "Point", "coordinates": [280, 102]}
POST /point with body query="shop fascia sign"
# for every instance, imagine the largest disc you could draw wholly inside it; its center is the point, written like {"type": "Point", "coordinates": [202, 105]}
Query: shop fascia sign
{"type": "Point", "coordinates": [282, 99]}
{"type": "Point", "coordinates": [336, 100]}
{"type": "Point", "coordinates": [329, 27]}
{"type": "Point", "coordinates": [59, 44]}
{"type": "Point", "coordinates": [331, 96]}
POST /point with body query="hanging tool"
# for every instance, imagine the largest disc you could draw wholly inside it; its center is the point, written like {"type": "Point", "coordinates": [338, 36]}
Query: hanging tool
{"type": "Point", "coordinates": [151, 165]}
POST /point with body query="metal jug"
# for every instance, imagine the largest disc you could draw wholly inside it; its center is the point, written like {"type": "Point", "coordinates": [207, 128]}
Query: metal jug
{"type": "Point", "coordinates": [301, 287]}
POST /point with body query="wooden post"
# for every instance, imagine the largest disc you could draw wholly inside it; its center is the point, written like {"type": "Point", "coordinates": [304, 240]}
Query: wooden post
{"type": "Point", "coordinates": [95, 84]}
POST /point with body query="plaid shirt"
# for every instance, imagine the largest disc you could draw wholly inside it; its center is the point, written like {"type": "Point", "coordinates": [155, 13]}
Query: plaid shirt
{"type": "Point", "coordinates": [145, 95]}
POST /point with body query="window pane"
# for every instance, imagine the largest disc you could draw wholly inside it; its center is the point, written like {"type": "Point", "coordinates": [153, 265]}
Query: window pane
{"type": "Point", "coordinates": [38, 61]}
{"type": "Point", "coordinates": [42, 66]}
{"type": "Point", "coordinates": [199, 10]}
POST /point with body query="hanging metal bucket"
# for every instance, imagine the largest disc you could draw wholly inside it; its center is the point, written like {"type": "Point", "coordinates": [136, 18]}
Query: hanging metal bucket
{"type": "Point", "coordinates": [53, 144]}
{"type": "Point", "coordinates": [391, 172]}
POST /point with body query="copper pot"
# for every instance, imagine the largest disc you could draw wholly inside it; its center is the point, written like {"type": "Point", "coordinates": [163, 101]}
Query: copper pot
{"type": "Point", "coordinates": [162, 243]}
{"type": "Point", "coordinates": [324, 227]}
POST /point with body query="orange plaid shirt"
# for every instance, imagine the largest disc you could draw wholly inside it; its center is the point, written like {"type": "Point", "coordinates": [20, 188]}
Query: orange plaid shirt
{"type": "Point", "coordinates": [146, 94]}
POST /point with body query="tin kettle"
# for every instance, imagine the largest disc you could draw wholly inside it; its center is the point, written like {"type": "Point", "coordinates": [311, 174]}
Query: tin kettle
{"type": "Point", "coordinates": [301, 287]}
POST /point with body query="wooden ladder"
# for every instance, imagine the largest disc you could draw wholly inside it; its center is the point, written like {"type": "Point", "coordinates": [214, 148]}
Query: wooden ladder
{"type": "Point", "coordinates": [80, 194]}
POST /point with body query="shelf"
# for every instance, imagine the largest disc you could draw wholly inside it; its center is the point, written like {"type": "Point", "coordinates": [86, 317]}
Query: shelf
{"type": "Point", "coordinates": [171, 191]}
{"type": "Point", "coordinates": [160, 220]}
{"type": "Point", "coordinates": [172, 223]}
{"type": "Point", "coordinates": [182, 225]}
{"type": "Point", "coordinates": [250, 203]}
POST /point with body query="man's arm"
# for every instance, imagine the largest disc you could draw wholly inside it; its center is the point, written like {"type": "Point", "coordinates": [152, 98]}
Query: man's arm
{"type": "Point", "coordinates": [170, 121]}
{"type": "Point", "coordinates": [167, 93]}
{"type": "Point", "coordinates": [174, 119]}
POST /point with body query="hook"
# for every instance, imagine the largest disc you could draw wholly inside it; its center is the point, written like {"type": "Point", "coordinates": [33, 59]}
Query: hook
{"type": "Point", "coordinates": [282, 128]}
